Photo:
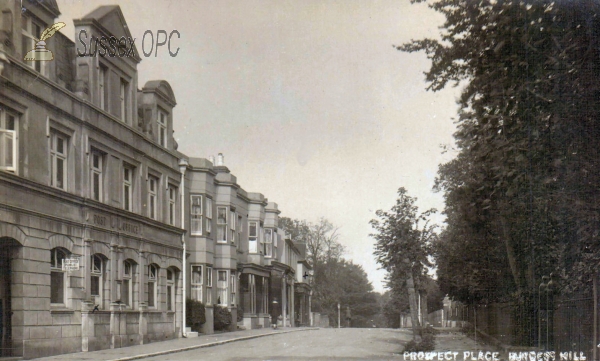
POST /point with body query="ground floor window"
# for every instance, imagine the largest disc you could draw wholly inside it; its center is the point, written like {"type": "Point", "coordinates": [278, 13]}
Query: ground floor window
{"type": "Point", "coordinates": [170, 290]}
{"type": "Point", "coordinates": [208, 285]}
{"type": "Point", "coordinates": [152, 285]}
{"type": "Point", "coordinates": [197, 283]}
{"type": "Point", "coordinates": [126, 288]}
{"type": "Point", "coordinates": [232, 285]}
{"type": "Point", "coordinates": [222, 287]}
{"type": "Point", "coordinates": [57, 276]}
{"type": "Point", "coordinates": [97, 279]}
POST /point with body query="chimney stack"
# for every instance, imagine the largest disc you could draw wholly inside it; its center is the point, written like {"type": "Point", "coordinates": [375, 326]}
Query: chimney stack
{"type": "Point", "coordinates": [220, 160]}
{"type": "Point", "coordinates": [211, 158]}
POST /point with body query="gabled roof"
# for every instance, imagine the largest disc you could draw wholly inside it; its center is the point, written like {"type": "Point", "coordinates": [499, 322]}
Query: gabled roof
{"type": "Point", "coordinates": [110, 19]}
{"type": "Point", "coordinates": [46, 10]}
{"type": "Point", "coordinates": [52, 6]}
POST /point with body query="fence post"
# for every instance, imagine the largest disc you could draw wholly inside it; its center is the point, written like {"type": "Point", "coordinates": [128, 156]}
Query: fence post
{"type": "Point", "coordinates": [595, 292]}
{"type": "Point", "coordinates": [475, 310]}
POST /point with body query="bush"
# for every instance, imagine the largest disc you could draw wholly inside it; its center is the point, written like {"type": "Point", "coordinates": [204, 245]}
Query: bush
{"type": "Point", "coordinates": [195, 314]}
{"type": "Point", "coordinates": [223, 318]}
{"type": "Point", "coordinates": [468, 329]}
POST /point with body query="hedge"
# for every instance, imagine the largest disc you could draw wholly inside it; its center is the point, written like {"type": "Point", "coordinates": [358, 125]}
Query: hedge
{"type": "Point", "coordinates": [195, 314]}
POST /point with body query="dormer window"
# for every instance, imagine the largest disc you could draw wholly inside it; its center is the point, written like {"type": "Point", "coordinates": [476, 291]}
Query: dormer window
{"type": "Point", "coordinates": [124, 100]}
{"type": "Point", "coordinates": [103, 87]}
{"type": "Point", "coordinates": [162, 128]}
{"type": "Point", "coordinates": [31, 29]}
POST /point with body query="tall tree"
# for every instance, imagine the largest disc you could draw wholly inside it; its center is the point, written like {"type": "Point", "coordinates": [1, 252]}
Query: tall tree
{"type": "Point", "coordinates": [403, 239]}
{"type": "Point", "coordinates": [336, 280]}
{"type": "Point", "coordinates": [521, 193]}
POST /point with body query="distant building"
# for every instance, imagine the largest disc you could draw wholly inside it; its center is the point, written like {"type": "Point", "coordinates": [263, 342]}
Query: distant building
{"type": "Point", "coordinates": [97, 204]}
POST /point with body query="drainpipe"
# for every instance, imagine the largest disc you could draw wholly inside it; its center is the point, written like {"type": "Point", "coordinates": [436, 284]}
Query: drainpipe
{"type": "Point", "coordinates": [182, 167]}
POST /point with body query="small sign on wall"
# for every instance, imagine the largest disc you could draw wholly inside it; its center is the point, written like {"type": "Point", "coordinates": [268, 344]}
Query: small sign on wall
{"type": "Point", "coordinates": [70, 264]}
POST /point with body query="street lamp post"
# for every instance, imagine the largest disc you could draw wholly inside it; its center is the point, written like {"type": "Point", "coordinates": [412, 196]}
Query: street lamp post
{"type": "Point", "coordinates": [339, 324]}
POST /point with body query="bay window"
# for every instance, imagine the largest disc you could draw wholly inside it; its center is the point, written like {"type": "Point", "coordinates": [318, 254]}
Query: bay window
{"type": "Point", "coordinates": [222, 292]}
{"type": "Point", "coordinates": [268, 243]}
{"type": "Point", "coordinates": [197, 282]}
{"type": "Point", "coordinates": [221, 224]}
{"type": "Point", "coordinates": [196, 215]}
{"type": "Point", "coordinates": [208, 285]}
{"type": "Point", "coordinates": [232, 220]}
{"type": "Point", "coordinates": [209, 208]}
{"type": "Point", "coordinates": [253, 237]}
{"type": "Point", "coordinates": [239, 230]}
{"type": "Point", "coordinates": [232, 285]}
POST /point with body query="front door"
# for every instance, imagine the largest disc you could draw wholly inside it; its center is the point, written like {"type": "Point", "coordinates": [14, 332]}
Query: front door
{"type": "Point", "coordinates": [5, 304]}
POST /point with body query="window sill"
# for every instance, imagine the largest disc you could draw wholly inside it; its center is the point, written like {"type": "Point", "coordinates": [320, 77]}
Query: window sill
{"type": "Point", "coordinates": [61, 310]}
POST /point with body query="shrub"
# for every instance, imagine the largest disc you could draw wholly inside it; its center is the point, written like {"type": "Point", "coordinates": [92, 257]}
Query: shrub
{"type": "Point", "coordinates": [195, 314]}
{"type": "Point", "coordinates": [468, 329]}
{"type": "Point", "coordinates": [222, 318]}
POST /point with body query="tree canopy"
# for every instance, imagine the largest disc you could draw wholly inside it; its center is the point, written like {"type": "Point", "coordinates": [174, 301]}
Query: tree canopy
{"type": "Point", "coordinates": [521, 196]}
{"type": "Point", "coordinates": [336, 280]}
{"type": "Point", "coordinates": [403, 244]}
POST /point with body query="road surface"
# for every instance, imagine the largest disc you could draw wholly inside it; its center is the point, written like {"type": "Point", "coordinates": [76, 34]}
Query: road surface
{"type": "Point", "coordinates": [323, 344]}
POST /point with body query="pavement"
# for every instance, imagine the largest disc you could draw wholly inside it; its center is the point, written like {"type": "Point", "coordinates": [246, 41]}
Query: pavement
{"type": "Point", "coordinates": [452, 340]}
{"type": "Point", "coordinates": [172, 346]}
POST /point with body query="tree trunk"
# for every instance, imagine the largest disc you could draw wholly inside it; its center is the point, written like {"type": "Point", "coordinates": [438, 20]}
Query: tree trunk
{"type": "Point", "coordinates": [412, 299]}
{"type": "Point", "coordinates": [424, 314]}
{"type": "Point", "coordinates": [510, 254]}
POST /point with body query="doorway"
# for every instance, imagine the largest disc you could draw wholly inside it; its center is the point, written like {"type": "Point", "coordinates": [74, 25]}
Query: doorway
{"type": "Point", "coordinates": [6, 349]}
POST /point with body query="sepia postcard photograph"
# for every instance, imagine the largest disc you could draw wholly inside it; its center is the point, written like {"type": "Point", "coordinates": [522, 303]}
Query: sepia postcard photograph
{"type": "Point", "coordinates": [231, 180]}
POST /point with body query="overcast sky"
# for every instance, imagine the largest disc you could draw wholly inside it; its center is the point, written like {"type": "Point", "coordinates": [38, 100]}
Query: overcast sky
{"type": "Point", "coordinates": [307, 100]}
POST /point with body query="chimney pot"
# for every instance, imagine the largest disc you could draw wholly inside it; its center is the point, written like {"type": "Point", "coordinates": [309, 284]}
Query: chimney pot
{"type": "Point", "coordinates": [220, 159]}
{"type": "Point", "coordinates": [211, 158]}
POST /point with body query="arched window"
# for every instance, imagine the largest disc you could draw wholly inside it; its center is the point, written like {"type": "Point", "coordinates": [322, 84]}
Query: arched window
{"type": "Point", "coordinates": [127, 284]}
{"type": "Point", "coordinates": [57, 276]}
{"type": "Point", "coordinates": [153, 286]}
{"type": "Point", "coordinates": [97, 279]}
{"type": "Point", "coordinates": [170, 289]}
